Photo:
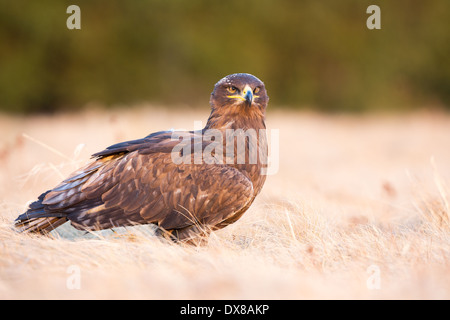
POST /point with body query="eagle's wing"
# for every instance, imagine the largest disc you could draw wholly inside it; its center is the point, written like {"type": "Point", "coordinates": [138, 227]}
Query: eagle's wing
{"type": "Point", "coordinates": [137, 182]}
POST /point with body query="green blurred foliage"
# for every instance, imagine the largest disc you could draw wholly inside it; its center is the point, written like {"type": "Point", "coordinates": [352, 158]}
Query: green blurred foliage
{"type": "Point", "coordinates": [310, 53]}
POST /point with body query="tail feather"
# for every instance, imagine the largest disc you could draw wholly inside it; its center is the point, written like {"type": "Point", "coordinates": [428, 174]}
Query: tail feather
{"type": "Point", "coordinates": [40, 225]}
{"type": "Point", "coordinates": [37, 220]}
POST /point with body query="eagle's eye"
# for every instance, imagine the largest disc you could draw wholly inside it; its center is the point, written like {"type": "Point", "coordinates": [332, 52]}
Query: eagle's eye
{"type": "Point", "coordinates": [232, 89]}
{"type": "Point", "coordinates": [256, 90]}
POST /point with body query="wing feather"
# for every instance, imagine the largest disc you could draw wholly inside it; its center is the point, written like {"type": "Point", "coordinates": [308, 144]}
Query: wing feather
{"type": "Point", "coordinates": [129, 184]}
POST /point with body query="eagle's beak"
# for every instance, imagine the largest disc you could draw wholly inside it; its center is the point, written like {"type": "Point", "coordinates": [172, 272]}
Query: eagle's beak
{"type": "Point", "coordinates": [247, 94]}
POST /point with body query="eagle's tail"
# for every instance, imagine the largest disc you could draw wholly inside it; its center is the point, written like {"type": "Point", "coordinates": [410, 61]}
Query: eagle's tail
{"type": "Point", "coordinates": [38, 220]}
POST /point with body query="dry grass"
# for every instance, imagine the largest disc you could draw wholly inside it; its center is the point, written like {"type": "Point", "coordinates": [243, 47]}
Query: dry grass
{"type": "Point", "coordinates": [353, 194]}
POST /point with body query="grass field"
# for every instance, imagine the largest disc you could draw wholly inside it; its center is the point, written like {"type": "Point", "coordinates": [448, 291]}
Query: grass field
{"type": "Point", "coordinates": [358, 209]}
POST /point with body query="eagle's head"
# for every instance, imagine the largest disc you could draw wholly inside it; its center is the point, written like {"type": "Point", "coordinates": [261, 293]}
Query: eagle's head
{"type": "Point", "coordinates": [240, 92]}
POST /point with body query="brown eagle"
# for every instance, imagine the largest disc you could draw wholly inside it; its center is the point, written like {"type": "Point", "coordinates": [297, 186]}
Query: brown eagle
{"type": "Point", "coordinates": [144, 182]}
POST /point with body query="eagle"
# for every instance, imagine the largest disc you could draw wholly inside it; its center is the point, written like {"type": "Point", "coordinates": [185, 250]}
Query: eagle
{"type": "Point", "coordinates": [164, 180]}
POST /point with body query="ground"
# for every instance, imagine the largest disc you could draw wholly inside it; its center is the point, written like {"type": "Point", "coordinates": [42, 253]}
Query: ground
{"type": "Point", "coordinates": [358, 208]}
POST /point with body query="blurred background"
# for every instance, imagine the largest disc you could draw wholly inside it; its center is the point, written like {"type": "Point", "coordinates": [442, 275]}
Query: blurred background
{"type": "Point", "coordinates": [364, 166]}
{"type": "Point", "coordinates": [311, 54]}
